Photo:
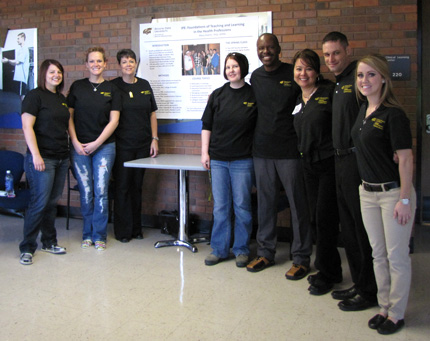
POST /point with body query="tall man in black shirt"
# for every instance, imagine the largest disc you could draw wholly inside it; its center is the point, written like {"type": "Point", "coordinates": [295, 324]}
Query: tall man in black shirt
{"type": "Point", "coordinates": [276, 159]}
{"type": "Point", "coordinates": [345, 110]}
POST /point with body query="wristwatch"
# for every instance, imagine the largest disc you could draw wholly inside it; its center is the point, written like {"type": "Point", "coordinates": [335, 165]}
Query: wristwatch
{"type": "Point", "coordinates": [155, 138]}
{"type": "Point", "coordinates": [405, 201]}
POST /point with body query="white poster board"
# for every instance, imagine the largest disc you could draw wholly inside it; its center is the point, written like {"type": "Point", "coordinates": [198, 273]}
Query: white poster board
{"type": "Point", "coordinates": [182, 93]}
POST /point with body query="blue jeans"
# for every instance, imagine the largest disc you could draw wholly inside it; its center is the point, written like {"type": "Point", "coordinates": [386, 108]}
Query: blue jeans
{"type": "Point", "coordinates": [231, 187]}
{"type": "Point", "coordinates": [45, 190]}
{"type": "Point", "coordinates": [93, 175]}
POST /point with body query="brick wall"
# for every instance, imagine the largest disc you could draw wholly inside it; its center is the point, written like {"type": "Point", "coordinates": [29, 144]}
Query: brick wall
{"type": "Point", "coordinates": [67, 28]}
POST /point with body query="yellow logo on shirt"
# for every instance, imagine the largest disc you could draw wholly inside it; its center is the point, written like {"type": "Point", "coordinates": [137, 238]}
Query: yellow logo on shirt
{"type": "Point", "coordinates": [65, 105]}
{"type": "Point", "coordinates": [146, 92]}
{"type": "Point", "coordinates": [106, 94]}
{"type": "Point", "coordinates": [285, 83]}
{"type": "Point", "coordinates": [321, 100]}
{"type": "Point", "coordinates": [378, 123]}
{"type": "Point", "coordinates": [347, 89]}
{"type": "Point", "coordinates": [249, 104]}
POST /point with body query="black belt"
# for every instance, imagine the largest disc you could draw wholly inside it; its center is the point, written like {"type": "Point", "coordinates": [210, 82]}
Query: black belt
{"type": "Point", "coordinates": [343, 152]}
{"type": "Point", "coordinates": [380, 188]}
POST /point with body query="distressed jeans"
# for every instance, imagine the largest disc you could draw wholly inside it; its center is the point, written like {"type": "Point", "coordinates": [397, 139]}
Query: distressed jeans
{"type": "Point", "coordinates": [93, 174]}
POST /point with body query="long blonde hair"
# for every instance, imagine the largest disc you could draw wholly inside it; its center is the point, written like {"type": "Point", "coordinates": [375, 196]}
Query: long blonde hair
{"type": "Point", "coordinates": [380, 64]}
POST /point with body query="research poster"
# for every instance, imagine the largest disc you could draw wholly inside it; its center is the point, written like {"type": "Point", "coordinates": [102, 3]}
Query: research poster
{"type": "Point", "coordinates": [184, 61]}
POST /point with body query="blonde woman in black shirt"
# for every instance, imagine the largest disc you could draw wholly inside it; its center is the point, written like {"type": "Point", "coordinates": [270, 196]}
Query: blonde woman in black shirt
{"type": "Point", "coordinates": [387, 196]}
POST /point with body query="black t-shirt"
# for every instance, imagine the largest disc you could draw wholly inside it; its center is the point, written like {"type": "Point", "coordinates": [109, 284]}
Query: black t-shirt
{"type": "Point", "coordinates": [52, 120]}
{"type": "Point", "coordinates": [377, 138]}
{"type": "Point", "coordinates": [345, 107]}
{"type": "Point", "coordinates": [276, 94]}
{"type": "Point", "coordinates": [138, 103]}
{"type": "Point", "coordinates": [230, 115]}
{"type": "Point", "coordinates": [92, 108]}
{"type": "Point", "coordinates": [313, 123]}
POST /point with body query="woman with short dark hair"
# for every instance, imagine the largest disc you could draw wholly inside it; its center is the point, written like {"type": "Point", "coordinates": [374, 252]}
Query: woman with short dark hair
{"type": "Point", "coordinates": [227, 133]}
{"type": "Point", "coordinates": [136, 137]}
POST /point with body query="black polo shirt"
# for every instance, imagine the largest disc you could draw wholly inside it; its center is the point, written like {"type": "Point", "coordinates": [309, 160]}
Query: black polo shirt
{"type": "Point", "coordinates": [345, 108]}
{"type": "Point", "coordinates": [377, 138]}
{"type": "Point", "coordinates": [138, 103]}
{"type": "Point", "coordinates": [276, 94]}
{"type": "Point", "coordinates": [313, 123]}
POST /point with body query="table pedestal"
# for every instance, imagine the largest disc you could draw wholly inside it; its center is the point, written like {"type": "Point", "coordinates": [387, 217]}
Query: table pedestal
{"type": "Point", "coordinates": [183, 217]}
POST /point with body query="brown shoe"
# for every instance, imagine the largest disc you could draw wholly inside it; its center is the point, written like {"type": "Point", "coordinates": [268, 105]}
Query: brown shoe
{"type": "Point", "coordinates": [297, 272]}
{"type": "Point", "coordinates": [259, 263]}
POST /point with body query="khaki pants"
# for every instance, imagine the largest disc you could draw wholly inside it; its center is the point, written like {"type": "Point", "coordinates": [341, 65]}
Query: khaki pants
{"type": "Point", "coordinates": [390, 245]}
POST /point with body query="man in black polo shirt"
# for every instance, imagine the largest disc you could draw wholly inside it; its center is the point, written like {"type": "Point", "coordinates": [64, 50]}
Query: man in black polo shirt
{"type": "Point", "coordinates": [345, 110]}
{"type": "Point", "coordinates": [276, 160]}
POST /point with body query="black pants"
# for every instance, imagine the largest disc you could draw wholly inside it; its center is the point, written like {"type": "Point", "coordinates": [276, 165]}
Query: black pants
{"type": "Point", "coordinates": [128, 194]}
{"type": "Point", "coordinates": [357, 246]}
{"type": "Point", "coordinates": [320, 184]}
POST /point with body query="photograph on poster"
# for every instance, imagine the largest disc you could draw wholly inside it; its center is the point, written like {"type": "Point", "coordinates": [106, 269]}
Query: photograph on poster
{"type": "Point", "coordinates": [18, 74]}
{"type": "Point", "coordinates": [184, 60]}
{"type": "Point", "coordinates": [201, 60]}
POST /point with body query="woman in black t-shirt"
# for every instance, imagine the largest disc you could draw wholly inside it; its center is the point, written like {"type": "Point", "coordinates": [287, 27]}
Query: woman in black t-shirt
{"type": "Point", "coordinates": [387, 196]}
{"type": "Point", "coordinates": [45, 120]}
{"type": "Point", "coordinates": [313, 122]}
{"type": "Point", "coordinates": [228, 129]}
{"type": "Point", "coordinates": [94, 106]}
{"type": "Point", "coordinates": [136, 137]}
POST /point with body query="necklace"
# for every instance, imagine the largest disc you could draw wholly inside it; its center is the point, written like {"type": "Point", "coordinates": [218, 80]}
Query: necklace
{"type": "Point", "coordinates": [95, 87]}
{"type": "Point", "coordinates": [313, 91]}
{"type": "Point", "coordinates": [130, 93]}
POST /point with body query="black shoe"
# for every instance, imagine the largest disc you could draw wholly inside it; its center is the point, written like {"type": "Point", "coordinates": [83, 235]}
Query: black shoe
{"type": "Point", "coordinates": [320, 276]}
{"type": "Point", "coordinates": [356, 303]}
{"type": "Point", "coordinates": [376, 321]}
{"type": "Point", "coordinates": [313, 278]}
{"type": "Point", "coordinates": [124, 240]}
{"type": "Point", "coordinates": [138, 236]}
{"type": "Point", "coordinates": [389, 327]}
{"type": "Point", "coordinates": [344, 294]}
{"type": "Point", "coordinates": [320, 287]}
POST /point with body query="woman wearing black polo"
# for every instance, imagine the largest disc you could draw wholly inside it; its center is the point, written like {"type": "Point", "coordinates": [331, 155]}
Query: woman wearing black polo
{"type": "Point", "coordinates": [387, 196]}
{"type": "Point", "coordinates": [313, 121]}
{"type": "Point", "coordinates": [136, 137]}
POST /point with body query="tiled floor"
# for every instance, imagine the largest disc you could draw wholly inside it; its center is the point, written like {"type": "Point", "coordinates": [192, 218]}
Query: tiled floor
{"type": "Point", "coordinates": [136, 292]}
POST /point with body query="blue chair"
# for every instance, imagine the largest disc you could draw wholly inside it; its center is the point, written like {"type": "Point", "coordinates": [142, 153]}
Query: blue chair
{"type": "Point", "coordinates": [14, 162]}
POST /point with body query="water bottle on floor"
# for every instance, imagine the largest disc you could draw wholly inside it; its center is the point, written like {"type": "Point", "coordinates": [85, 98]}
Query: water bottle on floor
{"type": "Point", "coordinates": [9, 185]}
